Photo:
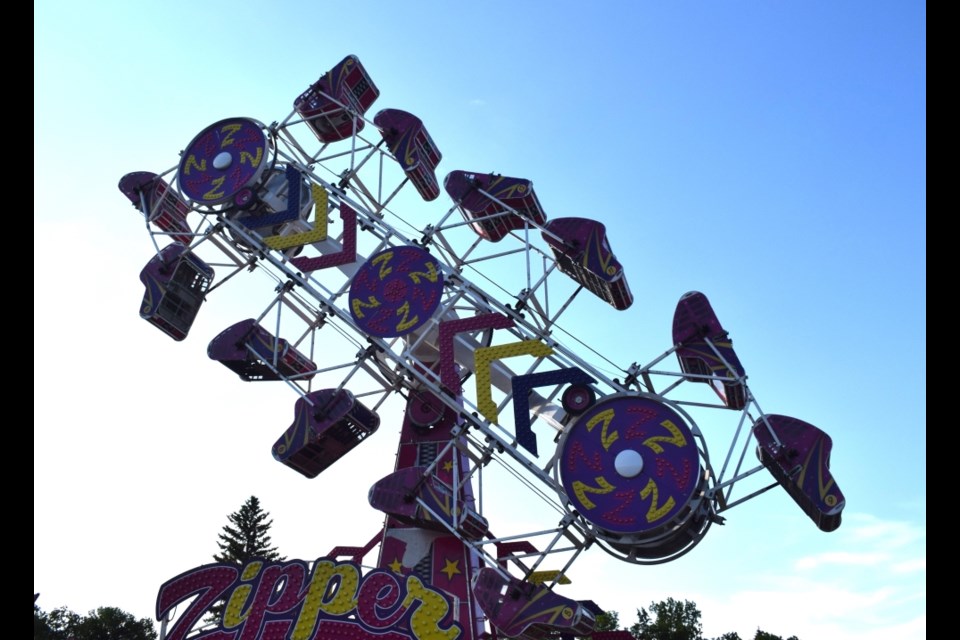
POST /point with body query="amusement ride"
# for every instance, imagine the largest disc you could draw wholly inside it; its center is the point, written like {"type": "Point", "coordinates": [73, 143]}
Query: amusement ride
{"type": "Point", "coordinates": [461, 320]}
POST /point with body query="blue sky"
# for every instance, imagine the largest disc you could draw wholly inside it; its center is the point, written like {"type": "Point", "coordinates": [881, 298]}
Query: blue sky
{"type": "Point", "coordinates": [770, 155]}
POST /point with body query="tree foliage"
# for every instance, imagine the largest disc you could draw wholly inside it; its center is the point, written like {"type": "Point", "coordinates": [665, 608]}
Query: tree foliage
{"type": "Point", "coordinates": [104, 623]}
{"type": "Point", "coordinates": [245, 537]}
{"type": "Point", "coordinates": [607, 621]}
{"type": "Point", "coordinates": [670, 620]}
{"type": "Point", "coordinates": [763, 635]}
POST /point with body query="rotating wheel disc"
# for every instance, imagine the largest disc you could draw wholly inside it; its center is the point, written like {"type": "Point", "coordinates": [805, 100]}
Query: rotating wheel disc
{"type": "Point", "coordinates": [396, 291]}
{"type": "Point", "coordinates": [425, 409]}
{"type": "Point", "coordinates": [222, 160]}
{"type": "Point", "coordinates": [631, 466]}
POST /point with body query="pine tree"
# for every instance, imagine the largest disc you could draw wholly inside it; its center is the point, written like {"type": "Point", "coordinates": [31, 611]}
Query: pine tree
{"type": "Point", "coordinates": [244, 538]}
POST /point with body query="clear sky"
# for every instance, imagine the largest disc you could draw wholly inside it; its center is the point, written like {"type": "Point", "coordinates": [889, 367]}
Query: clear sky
{"type": "Point", "coordinates": [771, 155]}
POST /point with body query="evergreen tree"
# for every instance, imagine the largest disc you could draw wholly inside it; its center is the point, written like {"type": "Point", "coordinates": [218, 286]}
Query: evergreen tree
{"type": "Point", "coordinates": [245, 537]}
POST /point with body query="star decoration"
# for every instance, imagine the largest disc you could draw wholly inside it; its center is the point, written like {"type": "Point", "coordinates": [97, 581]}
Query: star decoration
{"type": "Point", "coordinates": [396, 566]}
{"type": "Point", "coordinates": [450, 568]}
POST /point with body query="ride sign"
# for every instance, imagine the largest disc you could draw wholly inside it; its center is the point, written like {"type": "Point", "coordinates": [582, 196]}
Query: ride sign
{"type": "Point", "coordinates": [288, 601]}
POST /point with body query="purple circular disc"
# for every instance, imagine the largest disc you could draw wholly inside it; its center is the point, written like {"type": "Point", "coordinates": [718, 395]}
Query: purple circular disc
{"type": "Point", "coordinates": [630, 464]}
{"type": "Point", "coordinates": [424, 409]}
{"type": "Point", "coordinates": [396, 291]}
{"type": "Point", "coordinates": [221, 160]}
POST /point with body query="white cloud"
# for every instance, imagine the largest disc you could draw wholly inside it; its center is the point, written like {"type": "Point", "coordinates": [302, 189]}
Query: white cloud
{"type": "Point", "coordinates": [864, 582]}
{"type": "Point", "coordinates": [910, 566]}
{"type": "Point", "coordinates": [841, 558]}
{"type": "Point", "coordinates": [809, 611]}
{"type": "Point", "coordinates": [885, 534]}
{"type": "Point", "coordinates": [868, 541]}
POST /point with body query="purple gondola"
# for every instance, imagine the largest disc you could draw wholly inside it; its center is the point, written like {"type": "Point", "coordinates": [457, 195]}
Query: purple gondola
{"type": "Point", "coordinates": [494, 205]}
{"type": "Point", "coordinates": [423, 500]}
{"type": "Point", "coordinates": [164, 207]}
{"type": "Point", "coordinates": [582, 251]}
{"type": "Point", "coordinates": [327, 425]}
{"type": "Point", "coordinates": [334, 105]}
{"type": "Point", "coordinates": [527, 611]}
{"type": "Point", "coordinates": [253, 353]}
{"type": "Point", "coordinates": [705, 350]}
{"type": "Point", "coordinates": [175, 281]}
{"type": "Point", "coordinates": [797, 454]}
{"type": "Point", "coordinates": [412, 146]}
